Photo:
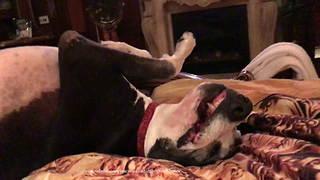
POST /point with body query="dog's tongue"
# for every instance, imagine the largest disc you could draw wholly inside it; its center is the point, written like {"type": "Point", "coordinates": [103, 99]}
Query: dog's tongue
{"type": "Point", "coordinates": [192, 136]}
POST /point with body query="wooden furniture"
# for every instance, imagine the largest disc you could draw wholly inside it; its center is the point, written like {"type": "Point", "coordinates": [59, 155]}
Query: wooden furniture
{"type": "Point", "coordinates": [50, 18]}
{"type": "Point", "coordinates": [64, 15]}
{"type": "Point", "coordinates": [39, 40]}
{"type": "Point", "coordinates": [157, 24]}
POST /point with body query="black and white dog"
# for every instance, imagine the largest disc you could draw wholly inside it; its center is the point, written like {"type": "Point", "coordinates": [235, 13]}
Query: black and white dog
{"type": "Point", "coordinates": [100, 111]}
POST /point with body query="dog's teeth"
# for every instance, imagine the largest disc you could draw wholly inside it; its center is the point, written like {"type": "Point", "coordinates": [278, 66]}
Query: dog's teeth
{"type": "Point", "coordinates": [218, 102]}
{"type": "Point", "coordinates": [212, 107]}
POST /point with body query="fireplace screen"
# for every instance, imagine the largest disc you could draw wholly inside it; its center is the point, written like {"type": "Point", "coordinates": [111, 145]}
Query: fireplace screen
{"type": "Point", "coordinates": [222, 39]}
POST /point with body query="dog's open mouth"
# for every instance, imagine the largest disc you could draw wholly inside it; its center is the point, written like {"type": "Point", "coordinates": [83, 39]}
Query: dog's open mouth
{"type": "Point", "coordinates": [205, 110]}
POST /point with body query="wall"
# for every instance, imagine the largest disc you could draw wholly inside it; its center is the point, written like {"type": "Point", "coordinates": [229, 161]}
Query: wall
{"type": "Point", "coordinates": [317, 23]}
{"type": "Point", "coordinates": [129, 28]}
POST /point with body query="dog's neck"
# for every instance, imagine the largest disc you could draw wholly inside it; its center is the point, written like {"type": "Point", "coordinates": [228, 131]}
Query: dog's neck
{"type": "Point", "coordinates": [170, 121]}
{"type": "Point", "coordinates": [156, 116]}
{"type": "Point", "coordinates": [144, 127]}
{"type": "Point", "coordinates": [164, 125]}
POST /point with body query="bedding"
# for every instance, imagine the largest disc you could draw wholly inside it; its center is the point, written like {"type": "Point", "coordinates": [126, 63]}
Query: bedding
{"type": "Point", "coordinates": [285, 145]}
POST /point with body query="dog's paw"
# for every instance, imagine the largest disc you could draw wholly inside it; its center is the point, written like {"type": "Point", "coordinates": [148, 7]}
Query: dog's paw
{"type": "Point", "coordinates": [186, 43]}
{"type": "Point", "coordinates": [187, 36]}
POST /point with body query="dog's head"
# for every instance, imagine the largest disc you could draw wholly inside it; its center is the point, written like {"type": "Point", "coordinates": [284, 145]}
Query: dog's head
{"type": "Point", "coordinates": [201, 129]}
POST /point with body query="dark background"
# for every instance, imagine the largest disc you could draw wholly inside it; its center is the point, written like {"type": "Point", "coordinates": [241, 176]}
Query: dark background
{"type": "Point", "coordinates": [299, 21]}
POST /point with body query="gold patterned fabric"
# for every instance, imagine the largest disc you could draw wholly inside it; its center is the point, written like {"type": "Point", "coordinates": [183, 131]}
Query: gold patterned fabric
{"type": "Point", "coordinates": [97, 166]}
{"type": "Point", "coordinates": [288, 116]}
{"type": "Point", "coordinates": [286, 146]}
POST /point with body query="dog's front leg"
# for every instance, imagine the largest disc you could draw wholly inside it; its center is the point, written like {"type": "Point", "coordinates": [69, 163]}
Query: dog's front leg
{"type": "Point", "coordinates": [77, 50]}
{"type": "Point", "coordinates": [183, 49]}
{"type": "Point", "coordinates": [124, 47]}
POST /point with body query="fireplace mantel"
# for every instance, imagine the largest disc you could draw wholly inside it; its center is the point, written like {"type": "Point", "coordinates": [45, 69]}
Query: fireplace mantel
{"type": "Point", "coordinates": [202, 3]}
{"type": "Point", "coordinates": [157, 25]}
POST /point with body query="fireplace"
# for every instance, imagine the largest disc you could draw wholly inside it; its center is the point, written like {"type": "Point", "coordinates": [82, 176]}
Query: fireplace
{"type": "Point", "coordinates": [222, 39]}
{"type": "Point", "coordinates": [229, 33]}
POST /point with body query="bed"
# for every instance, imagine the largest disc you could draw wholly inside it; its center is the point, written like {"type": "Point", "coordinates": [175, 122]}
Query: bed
{"type": "Point", "coordinates": [285, 121]}
{"type": "Point", "coordinates": [285, 145]}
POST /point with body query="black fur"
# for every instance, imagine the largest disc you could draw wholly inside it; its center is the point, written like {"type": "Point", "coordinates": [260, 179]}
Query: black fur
{"type": "Point", "coordinates": [96, 110]}
{"type": "Point", "coordinates": [164, 148]}
{"type": "Point", "coordinates": [23, 135]}
{"type": "Point", "coordinates": [235, 107]}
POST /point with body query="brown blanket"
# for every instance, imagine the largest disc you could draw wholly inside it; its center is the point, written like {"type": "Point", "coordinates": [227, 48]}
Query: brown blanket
{"type": "Point", "coordinates": [285, 147]}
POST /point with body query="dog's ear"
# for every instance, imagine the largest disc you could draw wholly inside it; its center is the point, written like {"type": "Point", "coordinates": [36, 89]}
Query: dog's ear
{"type": "Point", "coordinates": [246, 128]}
{"type": "Point", "coordinates": [164, 148]}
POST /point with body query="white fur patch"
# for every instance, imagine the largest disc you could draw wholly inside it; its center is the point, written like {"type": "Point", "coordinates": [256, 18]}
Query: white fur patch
{"type": "Point", "coordinates": [124, 47]}
{"type": "Point", "coordinates": [147, 100]}
{"type": "Point", "coordinates": [162, 117]}
{"type": "Point", "coordinates": [26, 72]}
{"type": "Point", "coordinates": [215, 131]}
{"type": "Point", "coordinates": [227, 139]}
{"type": "Point", "coordinates": [174, 119]}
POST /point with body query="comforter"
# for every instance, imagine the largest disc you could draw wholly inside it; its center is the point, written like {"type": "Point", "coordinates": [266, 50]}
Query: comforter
{"type": "Point", "coordinates": [285, 144]}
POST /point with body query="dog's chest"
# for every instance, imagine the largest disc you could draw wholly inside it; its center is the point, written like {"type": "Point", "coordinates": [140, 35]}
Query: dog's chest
{"type": "Point", "coordinates": [139, 95]}
{"type": "Point", "coordinates": [121, 115]}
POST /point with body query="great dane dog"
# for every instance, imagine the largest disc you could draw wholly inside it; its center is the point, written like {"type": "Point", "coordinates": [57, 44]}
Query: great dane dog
{"type": "Point", "coordinates": [99, 110]}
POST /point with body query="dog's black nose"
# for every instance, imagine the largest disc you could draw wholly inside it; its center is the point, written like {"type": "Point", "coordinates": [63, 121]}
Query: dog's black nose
{"type": "Point", "coordinates": [240, 108]}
